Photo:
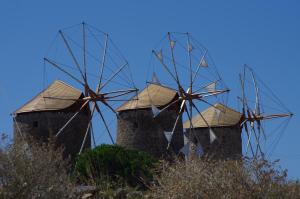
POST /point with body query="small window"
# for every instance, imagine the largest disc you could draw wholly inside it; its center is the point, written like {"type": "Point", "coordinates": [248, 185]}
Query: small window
{"type": "Point", "coordinates": [35, 124]}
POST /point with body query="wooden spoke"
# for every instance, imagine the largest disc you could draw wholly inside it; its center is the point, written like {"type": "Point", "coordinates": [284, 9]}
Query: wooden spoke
{"type": "Point", "coordinates": [268, 117]}
{"type": "Point", "coordinates": [166, 67]}
{"type": "Point", "coordinates": [119, 100]}
{"type": "Point", "coordinates": [84, 50]}
{"type": "Point", "coordinates": [72, 54]}
{"type": "Point", "coordinates": [205, 86]}
{"type": "Point", "coordinates": [88, 128]}
{"type": "Point", "coordinates": [209, 93]}
{"type": "Point", "coordinates": [181, 110]}
{"type": "Point", "coordinates": [67, 99]}
{"type": "Point", "coordinates": [201, 115]}
{"type": "Point", "coordinates": [261, 129]}
{"type": "Point", "coordinates": [110, 107]}
{"type": "Point", "coordinates": [17, 127]}
{"type": "Point", "coordinates": [258, 148]}
{"type": "Point", "coordinates": [192, 132]}
{"type": "Point", "coordinates": [199, 66]}
{"type": "Point", "coordinates": [122, 93]}
{"type": "Point", "coordinates": [102, 63]}
{"type": "Point", "coordinates": [249, 140]}
{"type": "Point", "coordinates": [257, 103]}
{"type": "Point", "coordinates": [64, 71]}
{"type": "Point", "coordinates": [93, 135]}
{"type": "Point", "coordinates": [113, 76]}
{"type": "Point", "coordinates": [106, 126]}
{"type": "Point", "coordinates": [190, 62]}
{"type": "Point", "coordinates": [191, 123]}
{"type": "Point", "coordinates": [206, 102]}
{"type": "Point", "coordinates": [173, 58]}
{"type": "Point", "coordinates": [169, 105]}
{"type": "Point", "coordinates": [71, 119]}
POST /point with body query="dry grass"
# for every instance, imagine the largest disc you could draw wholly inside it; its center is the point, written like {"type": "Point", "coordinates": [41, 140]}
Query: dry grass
{"type": "Point", "coordinates": [38, 171]}
{"type": "Point", "coordinates": [223, 179]}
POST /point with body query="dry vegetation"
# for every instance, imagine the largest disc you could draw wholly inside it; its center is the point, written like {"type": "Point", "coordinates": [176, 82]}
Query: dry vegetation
{"type": "Point", "coordinates": [224, 179]}
{"type": "Point", "coordinates": [39, 171]}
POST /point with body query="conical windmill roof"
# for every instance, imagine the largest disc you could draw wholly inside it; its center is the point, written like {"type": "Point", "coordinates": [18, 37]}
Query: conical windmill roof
{"type": "Point", "coordinates": [57, 96]}
{"type": "Point", "coordinates": [154, 94]}
{"type": "Point", "coordinates": [217, 116]}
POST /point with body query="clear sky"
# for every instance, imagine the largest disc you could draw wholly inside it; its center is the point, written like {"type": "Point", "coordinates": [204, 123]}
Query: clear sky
{"type": "Point", "coordinates": [262, 34]}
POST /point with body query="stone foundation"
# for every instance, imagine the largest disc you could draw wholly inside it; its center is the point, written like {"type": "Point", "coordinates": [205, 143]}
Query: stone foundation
{"type": "Point", "coordinates": [42, 125]}
{"type": "Point", "coordinates": [138, 129]}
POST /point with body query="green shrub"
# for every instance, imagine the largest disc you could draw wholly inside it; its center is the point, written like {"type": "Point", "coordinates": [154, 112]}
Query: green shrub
{"type": "Point", "coordinates": [115, 164]}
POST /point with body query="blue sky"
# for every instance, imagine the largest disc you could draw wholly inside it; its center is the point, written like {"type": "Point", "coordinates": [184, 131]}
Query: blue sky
{"type": "Point", "coordinates": [261, 34]}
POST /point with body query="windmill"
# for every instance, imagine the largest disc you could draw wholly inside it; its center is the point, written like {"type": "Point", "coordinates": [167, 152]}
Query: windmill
{"type": "Point", "coordinates": [259, 108]}
{"type": "Point", "coordinates": [191, 72]}
{"type": "Point", "coordinates": [89, 58]}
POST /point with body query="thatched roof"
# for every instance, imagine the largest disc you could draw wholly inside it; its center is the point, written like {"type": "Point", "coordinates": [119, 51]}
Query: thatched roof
{"type": "Point", "coordinates": [153, 94]}
{"type": "Point", "coordinates": [217, 116]}
{"type": "Point", "coordinates": [57, 96]}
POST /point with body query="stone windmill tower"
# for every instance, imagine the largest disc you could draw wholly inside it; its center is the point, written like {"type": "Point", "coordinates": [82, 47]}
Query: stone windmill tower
{"type": "Point", "coordinates": [139, 129]}
{"type": "Point", "coordinates": [46, 113]}
{"type": "Point", "coordinates": [218, 131]}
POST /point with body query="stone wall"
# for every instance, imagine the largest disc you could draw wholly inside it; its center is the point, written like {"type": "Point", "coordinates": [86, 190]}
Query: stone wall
{"type": "Point", "coordinates": [42, 125]}
{"type": "Point", "coordinates": [227, 145]}
{"type": "Point", "coordinates": [138, 129]}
